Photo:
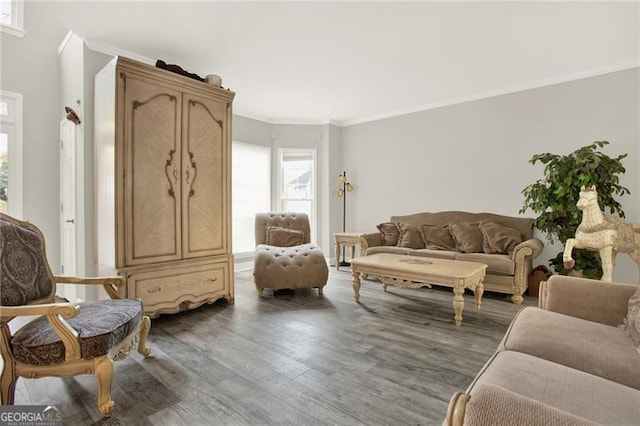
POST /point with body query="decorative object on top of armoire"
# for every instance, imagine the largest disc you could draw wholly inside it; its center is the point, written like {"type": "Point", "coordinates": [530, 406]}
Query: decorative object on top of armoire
{"type": "Point", "coordinates": [163, 184]}
{"type": "Point", "coordinates": [177, 69]}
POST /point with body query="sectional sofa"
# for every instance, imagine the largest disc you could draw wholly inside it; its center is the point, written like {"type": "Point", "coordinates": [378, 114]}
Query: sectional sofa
{"type": "Point", "coordinates": [504, 243]}
{"type": "Point", "coordinates": [574, 360]}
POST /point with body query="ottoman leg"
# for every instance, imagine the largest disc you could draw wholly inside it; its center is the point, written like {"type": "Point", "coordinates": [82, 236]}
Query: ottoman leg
{"type": "Point", "coordinates": [260, 291]}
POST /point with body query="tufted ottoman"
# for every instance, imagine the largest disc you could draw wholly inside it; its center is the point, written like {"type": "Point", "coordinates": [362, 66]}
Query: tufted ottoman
{"type": "Point", "coordinates": [299, 264]}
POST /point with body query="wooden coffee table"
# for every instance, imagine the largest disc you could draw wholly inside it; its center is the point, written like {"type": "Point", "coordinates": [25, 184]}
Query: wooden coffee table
{"type": "Point", "coordinates": [415, 272]}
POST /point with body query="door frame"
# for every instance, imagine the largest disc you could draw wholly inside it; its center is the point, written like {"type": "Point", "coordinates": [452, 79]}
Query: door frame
{"type": "Point", "coordinates": [79, 199]}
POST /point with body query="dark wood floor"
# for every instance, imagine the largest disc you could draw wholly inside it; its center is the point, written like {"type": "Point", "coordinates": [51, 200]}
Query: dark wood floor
{"type": "Point", "coordinates": [396, 358]}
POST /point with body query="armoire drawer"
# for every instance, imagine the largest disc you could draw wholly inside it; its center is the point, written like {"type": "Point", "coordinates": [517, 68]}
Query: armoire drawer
{"type": "Point", "coordinates": [179, 288]}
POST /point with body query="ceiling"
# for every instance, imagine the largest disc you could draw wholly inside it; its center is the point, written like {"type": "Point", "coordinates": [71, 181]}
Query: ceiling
{"type": "Point", "coordinates": [350, 62]}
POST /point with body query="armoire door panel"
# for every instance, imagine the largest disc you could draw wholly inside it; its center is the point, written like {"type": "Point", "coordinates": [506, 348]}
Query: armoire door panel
{"type": "Point", "coordinates": [153, 169]}
{"type": "Point", "coordinates": [205, 168]}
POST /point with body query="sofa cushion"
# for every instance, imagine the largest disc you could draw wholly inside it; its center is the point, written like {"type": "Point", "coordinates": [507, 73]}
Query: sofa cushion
{"type": "Point", "coordinates": [389, 249]}
{"type": "Point", "coordinates": [498, 239]}
{"type": "Point", "coordinates": [410, 236]}
{"type": "Point", "coordinates": [284, 237]}
{"type": "Point", "coordinates": [595, 348]}
{"type": "Point", "coordinates": [390, 233]}
{"type": "Point", "coordinates": [437, 237]}
{"type": "Point", "coordinates": [467, 236]}
{"type": "Point", "coordinates": [438, 254]}
{"type": "Point", "coordinates": [496, 263]}
{"type": "Point", "coordinates": [632, 321]}
{"type": "Point", "coordinates": [591, 397]}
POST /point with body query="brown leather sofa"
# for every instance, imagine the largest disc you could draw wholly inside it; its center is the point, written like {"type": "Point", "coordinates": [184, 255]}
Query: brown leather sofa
{"type": "Point", "coordinates": [509, 265]}
{"type": "Point", "coordinates": [567, 362]}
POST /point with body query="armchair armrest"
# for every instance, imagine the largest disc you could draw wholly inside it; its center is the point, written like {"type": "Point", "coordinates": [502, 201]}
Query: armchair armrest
{"type": "Point", "coordinates": [529, 248]}
{"type": "Point", "coordinates": [495, 405]}
{"type": "Point", "coordinates": [522, 255]}
{"type": "Point", "coordinates": [65, 309]}
{"type": "Point", "coordinates": [592, 300]}
{"type": "Point", "coordinates": [372, 239]}
{"type": "Point", "coordinates": [54, 313]}
{"type": "Point", "coordinates": [110, 284]}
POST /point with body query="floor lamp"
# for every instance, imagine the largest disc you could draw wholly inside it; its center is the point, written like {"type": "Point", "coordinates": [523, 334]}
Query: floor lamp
{"type": "Point", "coordinates": [342, 192]}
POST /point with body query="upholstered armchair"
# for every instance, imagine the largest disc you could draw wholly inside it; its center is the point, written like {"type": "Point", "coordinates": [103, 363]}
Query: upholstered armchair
{"type": "Point", "coordinates": [65, 339]}
{"type": "Point", "coordinates": [284, 255]}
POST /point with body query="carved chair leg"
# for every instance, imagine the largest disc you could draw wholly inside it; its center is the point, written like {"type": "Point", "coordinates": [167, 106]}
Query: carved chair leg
{"type": "Point", "coordinates": [8, 384]}
{"type": "Point", "coordinates": [8, 377]}
{"type": "Point", "coordinates": [260, 291]}
{"type": "Point", "coordinates": [319, 291]}
{"type": "Point", "coordinates": [104, 369]}
{"type": "Point", "coordinates": [145, 326]}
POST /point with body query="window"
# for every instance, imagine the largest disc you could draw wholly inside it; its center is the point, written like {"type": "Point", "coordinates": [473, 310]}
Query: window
{"type": "Point", "coordinates": [11, 153]}
{"type": "Point", "coordinates": [297, 182]}
{"type": "Point", "coordinates": [250, 193]}
{"type": "Point", "coordinates": [11, 12]}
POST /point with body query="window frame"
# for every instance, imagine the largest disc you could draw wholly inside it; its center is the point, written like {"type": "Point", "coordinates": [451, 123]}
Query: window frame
{"type": "Point", "coordinates": [12, 124]}
{"type": "Point", "coordinates": [314, 182]}
{"type": "Point", "coordinates": [16, 28]}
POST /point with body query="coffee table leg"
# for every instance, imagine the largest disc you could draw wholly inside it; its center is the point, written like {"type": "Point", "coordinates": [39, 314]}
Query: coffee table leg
{"type": "Point", "coordinates": [479, 290]}
{"type": "Point", "coordinates": [356, 285]}
{"type": "Point", "coordinates": [337, 256]}
{"type": "Point", "coordinates": [458, 304]}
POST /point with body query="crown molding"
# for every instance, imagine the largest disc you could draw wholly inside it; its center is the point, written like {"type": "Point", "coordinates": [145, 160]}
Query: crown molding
{"type": "Point", "coordinates": [115, 51]}
{"type": "Point", "coordinates": [594, 72]}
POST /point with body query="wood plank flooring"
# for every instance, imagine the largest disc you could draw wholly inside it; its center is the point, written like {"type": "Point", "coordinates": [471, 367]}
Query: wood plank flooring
{"type": "Point", "coordinates": [394, 359]}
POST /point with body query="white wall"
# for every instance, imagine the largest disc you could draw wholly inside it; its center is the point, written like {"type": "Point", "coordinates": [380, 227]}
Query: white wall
{"type": "Point", "coordinates": [471, 156]}
{"type": "Point", "coordinates": [474, 156]}
{"type": "Point", "coordinates": [251, 131]}
{"type": "Point", "coordinates": [29, 66]}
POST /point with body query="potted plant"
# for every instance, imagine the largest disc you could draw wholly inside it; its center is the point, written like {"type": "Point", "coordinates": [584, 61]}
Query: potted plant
{"type": "Point", "coordinates": [555, 196]}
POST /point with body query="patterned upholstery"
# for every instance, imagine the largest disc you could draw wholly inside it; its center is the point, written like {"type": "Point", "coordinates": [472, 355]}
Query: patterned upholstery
{"type": "Point", "coordinates": [103, 331]}
{"type": "Point", "coordinates": [101, 326]}
{"type": "Point", "coordinates": [24, 274]}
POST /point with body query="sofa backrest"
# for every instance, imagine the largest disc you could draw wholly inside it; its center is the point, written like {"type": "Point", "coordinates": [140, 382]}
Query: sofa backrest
{"type": "Point", "coordinates": [522, 224]}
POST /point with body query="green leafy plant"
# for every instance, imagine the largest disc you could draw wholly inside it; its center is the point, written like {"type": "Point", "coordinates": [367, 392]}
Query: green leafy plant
{"type": "Point", "coordinates": [555, 196]}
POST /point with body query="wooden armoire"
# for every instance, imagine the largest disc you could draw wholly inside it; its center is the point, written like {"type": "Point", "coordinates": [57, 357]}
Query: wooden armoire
{"type": "Point", "coordinates": [163, 186]}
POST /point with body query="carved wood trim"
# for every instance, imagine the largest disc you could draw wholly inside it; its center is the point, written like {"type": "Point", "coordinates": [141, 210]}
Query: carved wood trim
{"type": "Point", "coordinates": [174, 173]}
{"type": "Point", "coordinates": [192, 163]}
{"type": "Point", "coordinates": [194, 103]}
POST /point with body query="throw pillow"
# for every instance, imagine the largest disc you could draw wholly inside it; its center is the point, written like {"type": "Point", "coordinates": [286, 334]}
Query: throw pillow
{"type": "Point", "coordinates": [390, 233]}
{"type": "Point", "coordinates": [410, 236]}
{"type": "Point", "coordinates": [284, 237]}
{"type": "Point", "coordinates": [498, 239]}
{"type": "Point", "coordinates": [467, 236]}
{"type": "Point", "coordinates": [437, 237]}
{"type": "Point", "coordinates": [632, 321]}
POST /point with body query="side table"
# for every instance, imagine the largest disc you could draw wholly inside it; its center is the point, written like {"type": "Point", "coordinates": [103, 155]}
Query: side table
{"type": "Point", "coordinates": [346, 239]}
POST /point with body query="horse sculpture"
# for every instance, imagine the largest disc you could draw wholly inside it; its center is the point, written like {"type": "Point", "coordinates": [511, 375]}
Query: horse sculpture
{"type": "Point", "coordinates": [606, 234]}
